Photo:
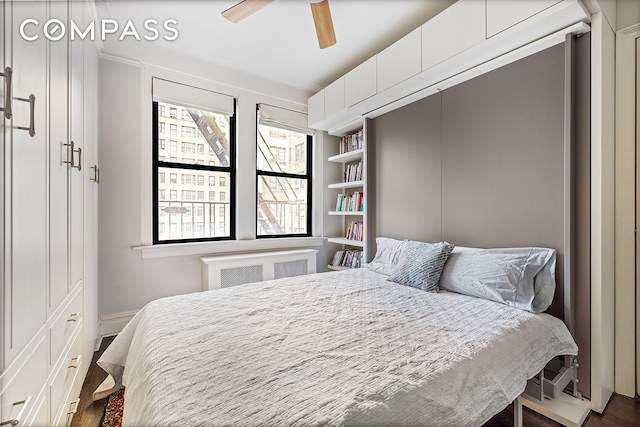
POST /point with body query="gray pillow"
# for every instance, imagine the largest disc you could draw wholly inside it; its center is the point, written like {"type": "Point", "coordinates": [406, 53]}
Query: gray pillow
{"type": "Point", "coordinates": [523, 278]}
{"type": "Point", "coordinates": [387, 255]}
{"type": "Point", "coordinates": [420, 265]}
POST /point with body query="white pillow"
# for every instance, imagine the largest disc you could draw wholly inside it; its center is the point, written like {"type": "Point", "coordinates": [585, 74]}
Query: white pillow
{"type": "Point", "coordinates": [387, 255]}
{"type": "Point", "coordinates": [523, 278]}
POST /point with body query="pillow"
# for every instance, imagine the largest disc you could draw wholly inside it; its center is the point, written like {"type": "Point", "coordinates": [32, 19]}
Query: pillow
{"type": "Point", "coordinates": [387, 255]}
{"type": "Point", "coordinates": [421, 264]}
{"type": "Point", "coordinates": [523, 278]}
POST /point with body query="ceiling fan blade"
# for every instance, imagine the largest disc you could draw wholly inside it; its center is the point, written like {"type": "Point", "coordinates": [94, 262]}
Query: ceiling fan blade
{"type": "Point", "coordinates": [243, 9]}
{"type": "Point", "coordinates": [324, 24]}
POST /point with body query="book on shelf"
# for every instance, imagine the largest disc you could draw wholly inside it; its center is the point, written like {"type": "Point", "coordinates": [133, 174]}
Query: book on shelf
{"type": "Point", "coordinates": [353, 172]}
{"type": "Point", "coordinates": [350, 203]}
{"type": "Point", "coordinates": [351, 142]}
{"type": "Point", "coordinates": [347, 258]}
{"type": "Point", "coordinates": [355, 231]}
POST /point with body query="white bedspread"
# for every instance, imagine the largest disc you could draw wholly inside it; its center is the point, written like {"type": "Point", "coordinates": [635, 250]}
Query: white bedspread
{"type": "Point", "coordinates": [346, 348]}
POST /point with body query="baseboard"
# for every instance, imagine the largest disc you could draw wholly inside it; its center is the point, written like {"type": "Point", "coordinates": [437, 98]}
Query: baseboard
{"type": "Point", "coordinates": [112, 324]}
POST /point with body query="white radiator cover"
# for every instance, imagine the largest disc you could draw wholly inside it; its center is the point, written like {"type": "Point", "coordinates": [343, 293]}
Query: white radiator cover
{"type": "Point", "coordinates": [232, 270]}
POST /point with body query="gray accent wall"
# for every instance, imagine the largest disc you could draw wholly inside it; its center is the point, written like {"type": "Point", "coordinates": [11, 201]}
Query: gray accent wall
{"type": "Point", "coordinates": [482, 164]}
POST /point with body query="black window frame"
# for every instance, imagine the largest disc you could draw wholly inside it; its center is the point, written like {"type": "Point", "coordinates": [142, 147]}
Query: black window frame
{"type": "Point", "coordinates": [307, 176]}
{"type": "Point", "coordinates": [231, 170]}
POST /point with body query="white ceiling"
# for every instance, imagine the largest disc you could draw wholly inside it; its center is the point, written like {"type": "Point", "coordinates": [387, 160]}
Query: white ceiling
{"type": "Point", "coordinates": [276, 43]}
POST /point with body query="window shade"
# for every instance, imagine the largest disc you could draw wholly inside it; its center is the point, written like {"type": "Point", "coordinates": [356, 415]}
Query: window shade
{"type": "Point", "coordinates": [175, 93]}
{"type": "Point", "coordinates": [284, 119]}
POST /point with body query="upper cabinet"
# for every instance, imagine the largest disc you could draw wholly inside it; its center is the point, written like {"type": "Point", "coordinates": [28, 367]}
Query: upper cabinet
{"type": "Point", "coordinates": [316, 108]}
{"type": "Point", "coordinates": [334, 97]}
{"type": "Point", "coordinates": [400, 61]}
{"type": "Point", "coordinates": [361, 82]}
{"type": "Point", "coordinates": [461, 41]}
{"type": "Point", "coordinates": [456, 29]}
{"type": "Point", "coordinates": [504, 14]}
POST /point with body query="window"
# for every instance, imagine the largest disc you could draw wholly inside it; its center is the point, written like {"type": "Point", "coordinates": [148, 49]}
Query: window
{"type": "Point", "coordinates": [188, 147]}
{"type": "Point", "coordinates": [222, 181]}
{"type": "Point", "coordinates": [185, 203]}
{"type": "Point", "coordinates": [284, 187]}
{"type": "Point", "coordinates": [161, 127]}
{"type": "Point", "coordinates": [162, 111]}
{"type": "Point", "coordinates": [161, 144]}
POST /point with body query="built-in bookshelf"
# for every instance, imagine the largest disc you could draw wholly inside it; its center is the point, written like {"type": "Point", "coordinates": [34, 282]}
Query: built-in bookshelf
{"type": "Point", "coordinates": [350, 199]}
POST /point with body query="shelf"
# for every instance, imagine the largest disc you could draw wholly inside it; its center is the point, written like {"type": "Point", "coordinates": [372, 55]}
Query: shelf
{"type": "Point", "coordinates": [345, 241]}
{"type": "Point", "coordinates": [349, 156]}
{"type": "Point", "coordinates": [352, 184]}
{"type": "Point", "coordinates": [346, 212]}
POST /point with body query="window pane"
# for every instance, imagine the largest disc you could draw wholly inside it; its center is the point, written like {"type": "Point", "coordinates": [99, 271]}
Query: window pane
{"type": "Point", "coordinates": [281, 150]}
{"type": "Point", "coordinates": [282, 206]}
{"type": "Point", "coordinates": [188, 130]}
{"type": "Point", "coordinates": [188, 213]}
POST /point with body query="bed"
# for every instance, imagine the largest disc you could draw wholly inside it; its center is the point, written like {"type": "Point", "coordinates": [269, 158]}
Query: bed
{"type": "Point", "coordinates": [339, 348]}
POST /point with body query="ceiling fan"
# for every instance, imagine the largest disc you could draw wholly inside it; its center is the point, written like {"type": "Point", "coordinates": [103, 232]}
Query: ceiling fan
{"type": "Point", "coordinates": [319, 9]}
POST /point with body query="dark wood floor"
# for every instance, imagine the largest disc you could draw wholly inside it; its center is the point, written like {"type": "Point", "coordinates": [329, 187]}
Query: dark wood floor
{"type": "Point", "coordinates": [620, 412]}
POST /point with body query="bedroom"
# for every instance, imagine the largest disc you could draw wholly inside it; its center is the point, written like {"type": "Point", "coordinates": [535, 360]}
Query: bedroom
{"type": "Point", "coordinates": [118, 216]}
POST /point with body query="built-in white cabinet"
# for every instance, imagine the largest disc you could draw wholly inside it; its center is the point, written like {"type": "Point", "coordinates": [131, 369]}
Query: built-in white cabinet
{"type": "Point", "coordinates": [468, 31]}
{"type": "Point", "coordinates": [504, 14]}
{"type": "Point", "coordinates": [467, 35]}
{"type": "Point", "coordinates": [48, 214]}
{"type": "Point", "coordinates": [316, 108]}
{"type": "Point", "coordinates": [361, 82]}
{"type": "Point", "coordinates": [400, 61]}
{"type": "Point", "coordinates": [334, 97]}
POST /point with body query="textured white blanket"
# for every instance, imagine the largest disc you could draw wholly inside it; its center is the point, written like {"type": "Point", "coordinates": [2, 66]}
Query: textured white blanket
{"type": "Point", "coordinates": [346, 348]}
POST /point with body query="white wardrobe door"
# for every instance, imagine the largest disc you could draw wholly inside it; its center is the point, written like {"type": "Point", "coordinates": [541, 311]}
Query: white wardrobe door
{"type": "Point", "coordinates": [59, 170]}
{"type": "Point", "coordinates": [25, 304]}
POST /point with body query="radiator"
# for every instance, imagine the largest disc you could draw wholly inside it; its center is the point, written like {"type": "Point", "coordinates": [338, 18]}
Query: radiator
{"type": "Point", "coordinates": [231, 270]}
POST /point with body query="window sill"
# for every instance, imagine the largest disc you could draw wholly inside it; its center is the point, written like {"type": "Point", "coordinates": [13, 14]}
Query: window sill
{"type": "Point", "coordinates": [227, 246]}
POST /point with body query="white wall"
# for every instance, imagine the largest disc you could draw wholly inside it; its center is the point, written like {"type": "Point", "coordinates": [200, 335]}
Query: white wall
{"type": "Point", "coordinates": [127, 281]}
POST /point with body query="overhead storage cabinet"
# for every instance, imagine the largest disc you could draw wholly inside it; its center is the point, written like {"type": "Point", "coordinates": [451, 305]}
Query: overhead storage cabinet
{"type": "Point", "coordinates": [400, 61]}
{"type": "Point", "coordinates": [504, 14]}
{"type": "Point", "coordinates": [461, 25]}
{"type": "Point", "coordinates": [361, 82]}
{"type": "Point", "coordinates": [334, 97]}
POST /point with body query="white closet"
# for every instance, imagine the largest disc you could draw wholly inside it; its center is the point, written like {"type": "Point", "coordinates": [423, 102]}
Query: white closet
{"type": "Point", "coordinates": [49, 175]}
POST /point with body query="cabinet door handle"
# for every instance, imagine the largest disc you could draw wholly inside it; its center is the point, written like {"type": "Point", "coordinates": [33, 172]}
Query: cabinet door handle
{"type": "Point", "coordinates": [79, 167]}
{"type": "Point", "coordinates": [73, 317]}
{"type": "Point", "coordinates": [96, 174]}
{"type": "Point", "coordinates": [75, 407]}
{"type": "Point", "coordinates": [70, 154]}
{"type": "Point", "coordinates": [77, 364]}
{"type": "Point", "coordinates": [16, 420]}
{"type": "Point", "coordinates": [8, 73]}
{"type": "Point", "coordinates": [32, 106]}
